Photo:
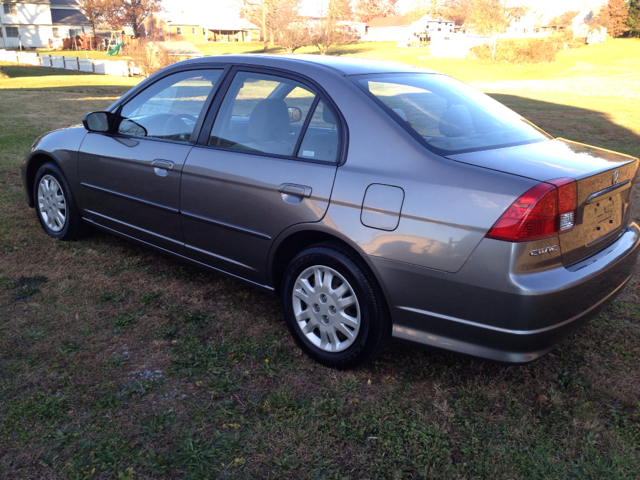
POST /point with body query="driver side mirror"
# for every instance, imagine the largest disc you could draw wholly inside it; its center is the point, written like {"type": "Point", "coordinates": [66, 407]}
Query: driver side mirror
{"type": "Point", "coordinates": [97, 121]}
{"type": "Point", "coordinates": [295, 114]}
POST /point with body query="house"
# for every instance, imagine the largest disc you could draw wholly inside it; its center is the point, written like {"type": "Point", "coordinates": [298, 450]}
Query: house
{"type": "Point", "coordinates": [166, 28]}
{"type": "Point", "coordinates": [232, 29]}
{"type": "Point", "coordinates": [389, 29]}
{"type": "Point", "coordinates": [582, 29]}
{"type": "Point", "coordinates": [401, 28]}
{"type": "Point", "coordinates": [40, 23]}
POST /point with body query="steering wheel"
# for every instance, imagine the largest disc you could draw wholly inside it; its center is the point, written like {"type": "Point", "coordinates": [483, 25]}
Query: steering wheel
{"type": "Point", "coordinates": [179, 127]}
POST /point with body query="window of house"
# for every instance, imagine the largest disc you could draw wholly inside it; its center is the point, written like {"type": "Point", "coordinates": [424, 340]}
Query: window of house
{"type": "Point", "coordinates": [194, 30]}
{"type": "Point", "coordinates": [12, 31]}
{"type": "Point", "coordinates": [141, 30]}
{"type": "Point", "coordinates": [179, 30]}
{"type": "Point", "coordinates": [73, 32]}
{"type": "Point", "coordinates": [55, 32]}
{"type": "Point", "coordinates": [160, 34]}
{"type": "Point", "coordinates": [10, 9]}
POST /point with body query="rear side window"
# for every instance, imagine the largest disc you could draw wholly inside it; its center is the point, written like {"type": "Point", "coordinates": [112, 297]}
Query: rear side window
{"type": "Point", "coordinates": [275, 115]}
{"type": "Point", "coordinates": [448, 115]}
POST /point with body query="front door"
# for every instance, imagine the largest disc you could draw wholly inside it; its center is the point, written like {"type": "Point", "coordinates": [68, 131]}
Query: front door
{"type": "Point", "coordinates": [269, 164]}
{"type": "Point", "coordinates": [131, 178]}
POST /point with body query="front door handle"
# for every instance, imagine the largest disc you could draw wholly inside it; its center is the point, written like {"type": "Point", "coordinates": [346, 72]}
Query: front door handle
{"type": "Point", "coordinates": [162, 167]}
{"type": "Point", "coordinates": [295, 190]}
{"type": "Point", "coordinates": [165, 164]}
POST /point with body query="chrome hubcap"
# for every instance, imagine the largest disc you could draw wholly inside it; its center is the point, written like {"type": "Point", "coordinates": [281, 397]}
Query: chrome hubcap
{"type": "Point", "coordinates": [326, 308]}
{"type": "Point", "coordinates": [51, 203]}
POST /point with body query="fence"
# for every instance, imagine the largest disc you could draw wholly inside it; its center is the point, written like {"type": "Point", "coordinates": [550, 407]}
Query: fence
{"type": "Point", "coordinates": [103, 67]}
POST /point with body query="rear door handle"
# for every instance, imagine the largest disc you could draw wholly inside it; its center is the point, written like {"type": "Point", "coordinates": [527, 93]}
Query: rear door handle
{"type": "Point", "coordinates": [295, 190]}
{"type": "Point", "coordinates": [164, 164]}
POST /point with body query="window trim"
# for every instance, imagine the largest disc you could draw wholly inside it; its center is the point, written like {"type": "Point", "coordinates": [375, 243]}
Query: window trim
{"type": "Point", "coordinates": [321, 94]}
{"type": "Point", "coordinates": [7, 30]}
{"type": "Point", "coordinates": [117, 108]}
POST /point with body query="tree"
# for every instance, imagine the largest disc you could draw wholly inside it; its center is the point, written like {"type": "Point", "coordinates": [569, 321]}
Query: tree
{"type": "Point", "coordinates": [490, 18]}
{"type": "Point", "coordinates": [633, 21]}
{"type": "Point", "coordinates": [368, 9]}
{"type": "Point", "coordinates": [95, 11]}
{"type": "Point", "coordinates": [420, 8]}
{"type": "Point", "coordinates": [130, 13]}
{"type": "Point", "coordinates": [340, 9]}
{"type": "Point", "coordinates": [271, 16]}
{"type": "Point", "coordinates": [565, 19]}
{"type": "Point", "coordinates": [328, 31]}
{"type": "Point", "coordinates": [290, 31]}
{"type": "Point", "coordinates": [456, 11]}
{"type": "Point", "coordinates": [618, 14]}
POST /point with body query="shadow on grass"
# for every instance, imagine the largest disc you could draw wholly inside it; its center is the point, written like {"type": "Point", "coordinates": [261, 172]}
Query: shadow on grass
{"type": "Point", "coordinates": [573, 123]}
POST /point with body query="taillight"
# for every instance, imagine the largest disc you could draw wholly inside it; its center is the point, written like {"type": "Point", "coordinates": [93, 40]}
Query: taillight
{"type": "Point", "coordinates": [543, 211]}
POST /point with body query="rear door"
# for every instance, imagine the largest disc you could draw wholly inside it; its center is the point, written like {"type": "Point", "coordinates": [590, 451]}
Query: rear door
{"type": "Point", "coordinates": [131, 177]}
{"type": "Point", "coordinates": [268, 163]}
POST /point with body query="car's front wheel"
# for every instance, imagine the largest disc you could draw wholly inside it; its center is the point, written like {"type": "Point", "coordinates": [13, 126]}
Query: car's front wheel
{"type": "Point", "coordinates": [57, 211]}
{"type": "Point", "coordinates": [334, 308]}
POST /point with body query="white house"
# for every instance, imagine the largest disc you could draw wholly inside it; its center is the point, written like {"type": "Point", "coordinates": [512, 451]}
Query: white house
{"type": "Point", "coordinates": [401, 28]}
{"type": "Point", "coordinates": [40, 23]}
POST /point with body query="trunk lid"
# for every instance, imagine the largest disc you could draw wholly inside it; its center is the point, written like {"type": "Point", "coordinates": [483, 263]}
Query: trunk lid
{"type": "Point", "coordinates": [604, 181]}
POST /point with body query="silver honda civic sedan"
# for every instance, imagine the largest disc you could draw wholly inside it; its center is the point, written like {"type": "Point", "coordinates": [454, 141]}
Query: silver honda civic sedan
{"type": "Point", "coordinates": [378, 200]}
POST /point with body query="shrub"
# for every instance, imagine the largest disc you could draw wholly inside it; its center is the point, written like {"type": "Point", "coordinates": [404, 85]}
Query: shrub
{"type": "Point", "coordinates": [526, 50]}
{"type": "Point", "coordinates": [149, 57]}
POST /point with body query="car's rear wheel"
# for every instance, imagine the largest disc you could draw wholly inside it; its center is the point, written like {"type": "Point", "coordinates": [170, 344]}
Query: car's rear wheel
{"type": "Point", "coordinates": [334, 308]}
{"type": "Point", "coordinates": [57, 211]}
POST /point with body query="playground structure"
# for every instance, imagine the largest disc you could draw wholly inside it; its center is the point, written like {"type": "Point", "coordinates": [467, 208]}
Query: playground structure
{"type": "Point", "coordinates": [118, 41]}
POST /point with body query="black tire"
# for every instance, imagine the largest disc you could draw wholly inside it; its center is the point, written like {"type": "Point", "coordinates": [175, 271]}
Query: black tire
{"type": "Point", "coordinates": [332, 338]}
{"type": "Point", "coordinates": [55, 197]}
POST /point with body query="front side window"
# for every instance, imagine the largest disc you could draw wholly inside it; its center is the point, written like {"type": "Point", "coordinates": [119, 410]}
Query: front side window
{"type": "Point", "coordinates": [262, 114]}
{"type": "Point", "coordinates": [54, 32]}
{"type": "Point", "coordinates": [12, 32]}
{"type": "Point", "coordinates": [451, 117]}
{"type": "Point", "coordinates": [10, 8]}
{"type": "Point", "coordinates": [169, 109]}
{"type": "Point", "coordinates": [179, 30]}
{"type": "Point", "coordinates": [160, 32]}
{"type": "Point", "coordinates": [194, 30]}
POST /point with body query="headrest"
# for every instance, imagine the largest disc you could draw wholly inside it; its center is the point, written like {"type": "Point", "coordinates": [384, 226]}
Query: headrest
{"type": "Point", "coordinates": [456, 122]}
{"type": "Point", "coordinates": [269, 121]}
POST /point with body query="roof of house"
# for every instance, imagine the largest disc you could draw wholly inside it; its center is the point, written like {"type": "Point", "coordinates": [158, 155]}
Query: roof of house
{"type": "Point", "coordinates": [395, 21]}
{"type": "Point", "coordinates": [229, 23]}
{"type": "Point", "coordinates": [65, 3]}
{"type": "Point", "coordinates": [61, 16]}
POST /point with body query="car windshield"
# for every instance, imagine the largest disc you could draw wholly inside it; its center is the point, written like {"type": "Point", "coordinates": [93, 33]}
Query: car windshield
{"type": "Point", "coordinates": [450, 116]}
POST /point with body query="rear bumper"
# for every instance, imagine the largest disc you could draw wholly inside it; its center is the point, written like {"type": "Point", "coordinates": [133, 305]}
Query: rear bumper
{"type": "Point", "coordinates": [485, 310]}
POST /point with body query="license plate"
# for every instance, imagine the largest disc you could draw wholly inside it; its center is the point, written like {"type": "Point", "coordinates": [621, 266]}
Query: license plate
{"type": "Point", "coordinates": [602, 218]}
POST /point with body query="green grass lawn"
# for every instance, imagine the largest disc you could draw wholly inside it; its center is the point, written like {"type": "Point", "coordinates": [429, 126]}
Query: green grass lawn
{"type": "Point", "coordinates": [118, 362]}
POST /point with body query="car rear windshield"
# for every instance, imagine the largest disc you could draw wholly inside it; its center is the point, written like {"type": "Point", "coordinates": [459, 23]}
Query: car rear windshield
{"type": "Point", "coordinates": [449, 116]}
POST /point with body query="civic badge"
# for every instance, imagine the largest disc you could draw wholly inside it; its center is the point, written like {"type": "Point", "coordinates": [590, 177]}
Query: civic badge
{"type": "Point", "coordinates": [616, 176]}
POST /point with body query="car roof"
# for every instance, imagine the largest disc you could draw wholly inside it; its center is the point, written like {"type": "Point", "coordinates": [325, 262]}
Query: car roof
{"type": "Point", "coordinates": [342, 65]}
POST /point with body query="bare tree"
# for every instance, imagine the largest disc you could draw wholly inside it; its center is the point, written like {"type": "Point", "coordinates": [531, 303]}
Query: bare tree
{"type": "Point", "coordinates": [272, 16]}
{"type": "Point", "coordinates": [291, 32]}
{"type": "Point", "coordinates": [329, 31]}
